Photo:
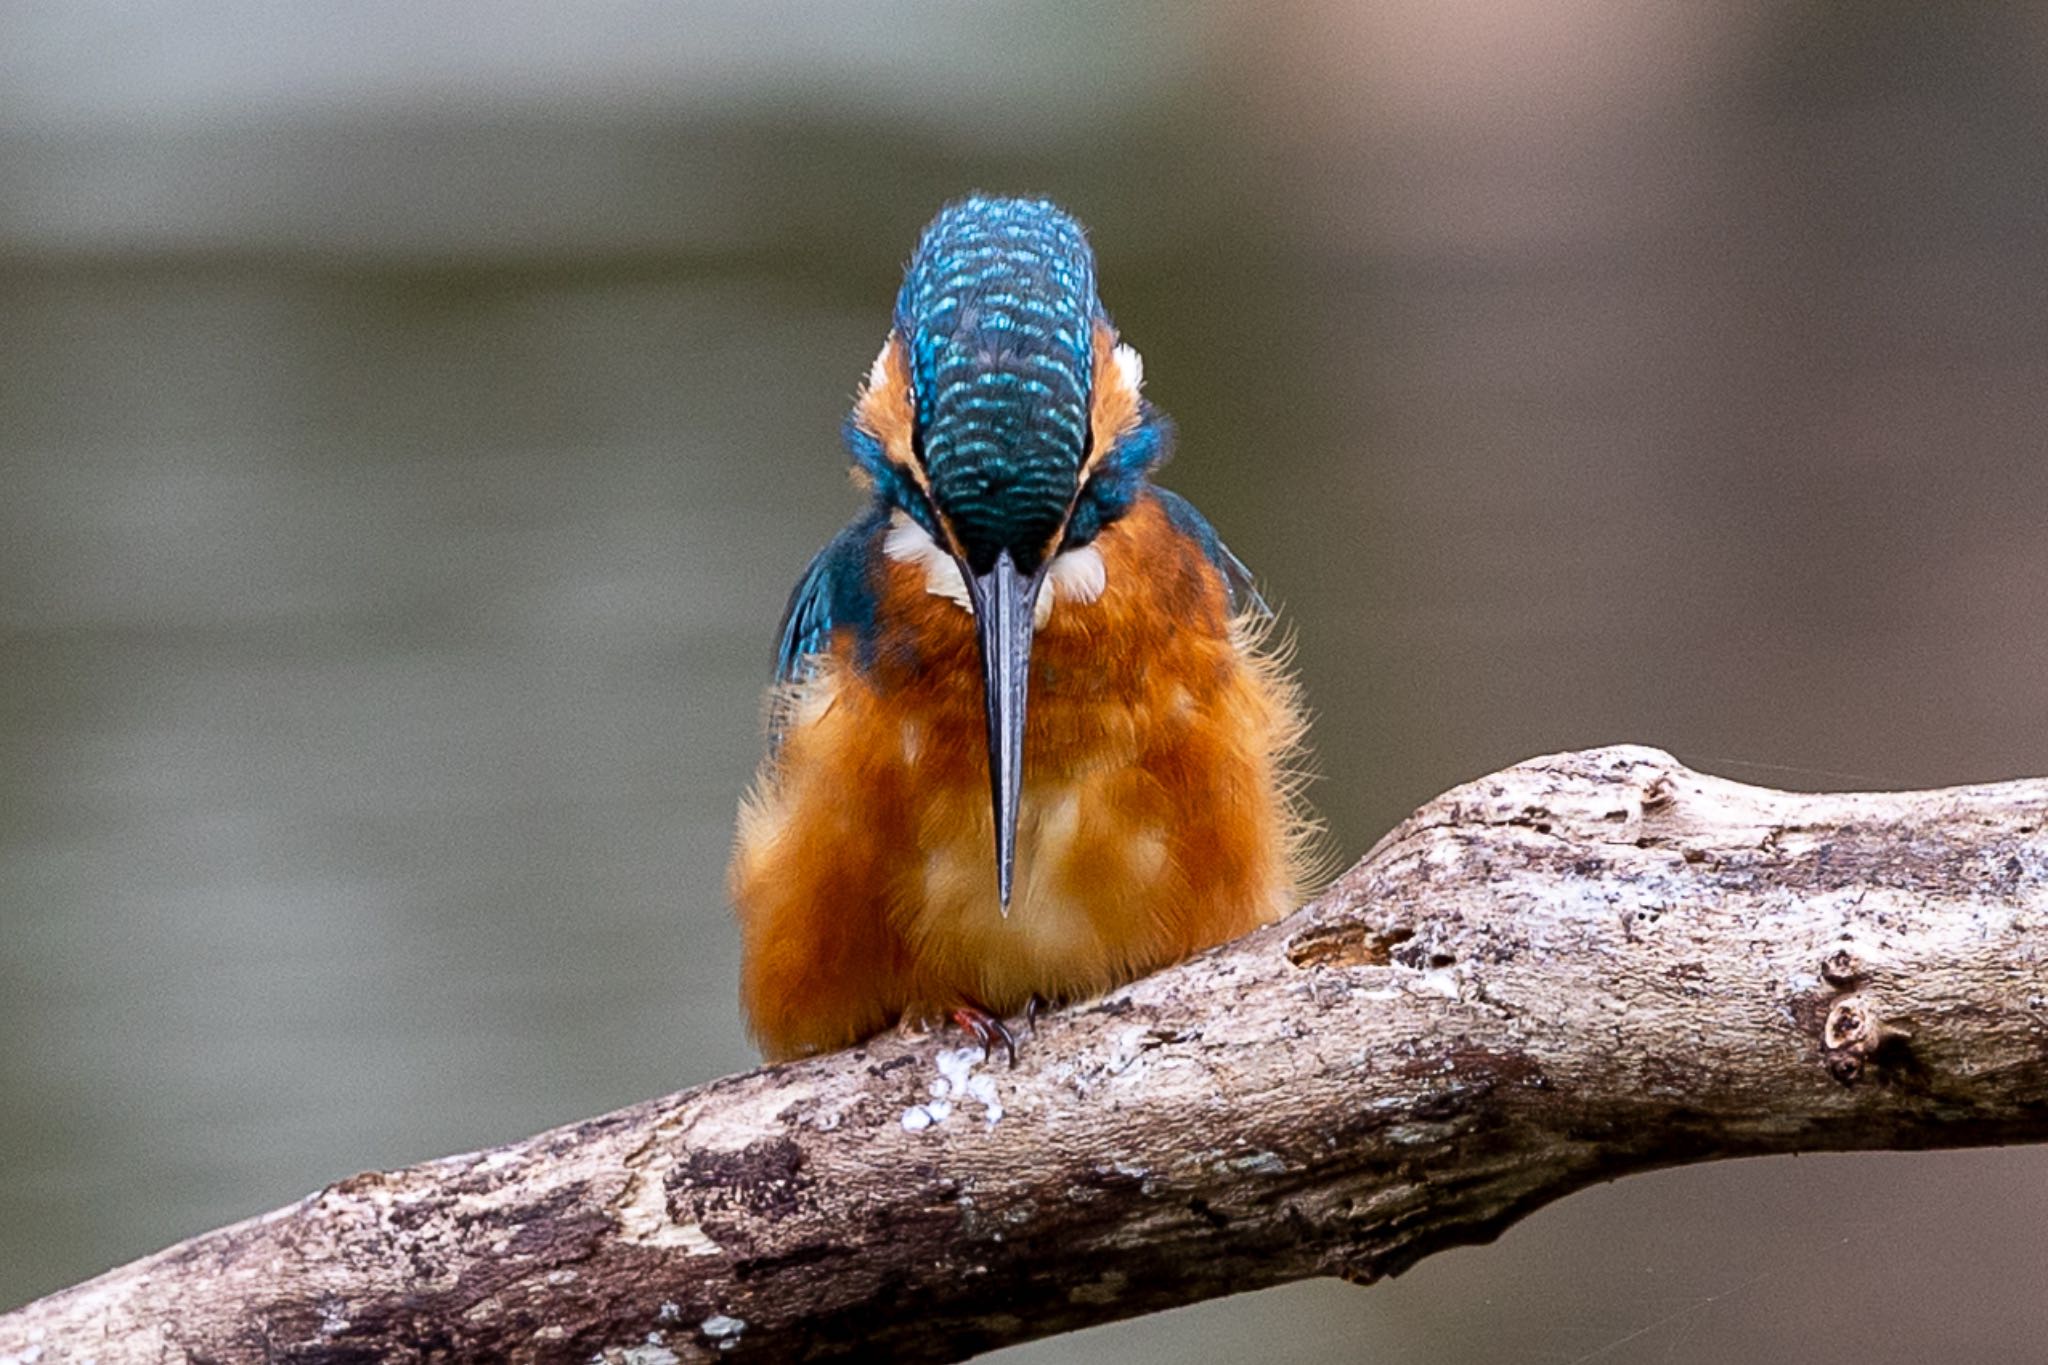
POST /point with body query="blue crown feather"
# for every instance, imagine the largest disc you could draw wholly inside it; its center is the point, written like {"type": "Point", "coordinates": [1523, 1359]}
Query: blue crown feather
{"type": "Point", "coordinates": [998, 312]}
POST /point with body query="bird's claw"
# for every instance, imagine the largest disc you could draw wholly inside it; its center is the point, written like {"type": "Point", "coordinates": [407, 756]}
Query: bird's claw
{"type": "Point", "coordinates": [987, 1029]}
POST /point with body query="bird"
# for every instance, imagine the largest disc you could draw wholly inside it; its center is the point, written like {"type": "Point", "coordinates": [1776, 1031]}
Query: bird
{"type": "Point", "coordinates": [1032, 734]}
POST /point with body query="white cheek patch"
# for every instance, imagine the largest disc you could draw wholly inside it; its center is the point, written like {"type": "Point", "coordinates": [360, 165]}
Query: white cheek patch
{"type": "Point", "coordinates": [1130, 366]}
{"type": "Point", "coordinates": [909, 543]}
{"type": "Point", "coordinates": [1078, 576]}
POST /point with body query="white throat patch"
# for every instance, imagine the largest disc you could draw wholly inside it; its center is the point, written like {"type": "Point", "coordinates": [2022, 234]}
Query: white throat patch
{"type": "Point", "coordinates": [1078, 576]}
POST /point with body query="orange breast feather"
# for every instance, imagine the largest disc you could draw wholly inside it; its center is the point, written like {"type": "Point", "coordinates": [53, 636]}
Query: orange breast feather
{"type": "Point", "coordinates": [1158, 814]}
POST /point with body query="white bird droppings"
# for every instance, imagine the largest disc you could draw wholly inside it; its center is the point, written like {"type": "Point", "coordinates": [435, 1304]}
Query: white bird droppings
{"type": "Point", "coordinates": [921, 1116]}
{"type": "Point", "coordinates": [723, 1330]}
{"type": "Point", "coordinates": [653, 1353]}
{"type": "Point", "coordinates": [957, 1081]}
{"type": "Point", "coordinates": [983, 1088]}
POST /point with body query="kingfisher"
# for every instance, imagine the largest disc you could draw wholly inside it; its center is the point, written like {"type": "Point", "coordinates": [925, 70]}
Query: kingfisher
{"type": "Point", "coordinates": [1030, 736]}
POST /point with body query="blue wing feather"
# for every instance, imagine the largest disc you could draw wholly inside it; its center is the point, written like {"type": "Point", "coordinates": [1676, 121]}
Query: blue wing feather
{"type": "Point", "coordinates": [1237, 579]}
{"type": "Point", "coordinates": [835, 591]}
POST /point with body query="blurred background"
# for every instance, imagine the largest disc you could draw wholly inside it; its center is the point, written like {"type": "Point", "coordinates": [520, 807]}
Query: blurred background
{"type": "Point", "coordinates": [412, 418]}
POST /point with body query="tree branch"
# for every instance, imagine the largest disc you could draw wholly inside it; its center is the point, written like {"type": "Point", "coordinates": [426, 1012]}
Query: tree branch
{"type": "Point", "coordinates": [1585, 965]}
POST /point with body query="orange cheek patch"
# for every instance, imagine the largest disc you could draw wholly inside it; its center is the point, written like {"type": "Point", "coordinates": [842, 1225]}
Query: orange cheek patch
{"type": "Point", "coordinates": [1115, 409]}
{"type": "Point", "coordinates": [883, 408]}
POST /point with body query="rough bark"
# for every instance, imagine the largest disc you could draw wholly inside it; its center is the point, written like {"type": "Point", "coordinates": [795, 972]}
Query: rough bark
{"type": "Point", "coordinates": [1583, 966]}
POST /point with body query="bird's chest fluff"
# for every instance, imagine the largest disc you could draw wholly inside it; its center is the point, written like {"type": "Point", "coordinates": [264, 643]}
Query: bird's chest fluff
{"type": "Point", "coordinates": [1121, 715]}
{"type": "Point", "coordinates": [1080, 845]}
{"type": "Point", "coordinates": [1093, 831]}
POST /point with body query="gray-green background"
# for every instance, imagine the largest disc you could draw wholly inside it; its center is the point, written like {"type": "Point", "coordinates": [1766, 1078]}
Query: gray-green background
{"type": "Point", "coordinates": [412, 417]}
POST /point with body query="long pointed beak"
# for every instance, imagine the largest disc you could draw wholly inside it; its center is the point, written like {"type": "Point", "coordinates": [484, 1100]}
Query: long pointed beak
{"type": "Point", "coordinates": [1004, 601]}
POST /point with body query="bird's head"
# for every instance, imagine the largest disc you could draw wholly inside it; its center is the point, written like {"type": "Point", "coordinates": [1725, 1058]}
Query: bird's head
{"type": "Point", "coordinates": [1003, 419]}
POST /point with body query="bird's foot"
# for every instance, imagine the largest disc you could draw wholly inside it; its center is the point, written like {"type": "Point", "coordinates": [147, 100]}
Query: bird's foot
{"type": "Point", "coordinates": [987, 1030]}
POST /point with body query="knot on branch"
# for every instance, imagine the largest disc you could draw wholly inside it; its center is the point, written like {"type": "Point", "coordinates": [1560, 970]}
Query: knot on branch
{"type": "Point", "coordinates": [1856, 1036]}
{"type": "Point", "coordinates": [1842, 969]}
